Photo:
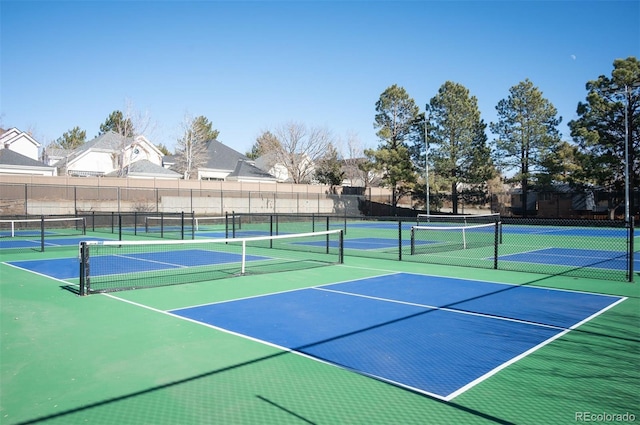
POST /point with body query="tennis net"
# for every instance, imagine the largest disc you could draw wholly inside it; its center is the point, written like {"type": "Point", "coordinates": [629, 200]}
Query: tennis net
{"type": "Point", "coordinates": [36, 233]}
{"type": "Point", "coordinates": [183, 226]}
{"type": "Point", "coordinates": [457, 220]}
{"type": "Point", "coordinates": [436, 239]}
{"type": "Point", "coordinates": [107, 266]}
{"type": "Point", "coordinates": [175, 226]}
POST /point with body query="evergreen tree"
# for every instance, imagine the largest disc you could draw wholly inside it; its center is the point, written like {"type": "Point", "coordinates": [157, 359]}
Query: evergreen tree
{"type": "Point", "coordinates": [329, 168]}
{"type": "Point", "coordinates": [457, 133]}
{"type": "Point", "coordinates": [71, 139]}
{"type": "Point", "coordinates": [527, 133]}
{"type": "Point", "coordinates": [396, 114]}
{"type": "Point", "coordinates": [607, 119]}
{"type": "Point", "coordinates": [116, 122]}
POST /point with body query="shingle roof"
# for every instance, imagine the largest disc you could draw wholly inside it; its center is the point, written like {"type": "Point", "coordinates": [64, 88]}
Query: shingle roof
{"type": "Point", "coordinates": [222, 157]}
{"type": "Point", "coordinates": [248, 169]}
{"type": "Point", "coordinates": [110, 141]}
{"type": "Point", "coordinates": [9, 157]}
{"type": "Point", "coordinates": [148, 168]}
{"type": "Point", "coordinates": [57, 152]}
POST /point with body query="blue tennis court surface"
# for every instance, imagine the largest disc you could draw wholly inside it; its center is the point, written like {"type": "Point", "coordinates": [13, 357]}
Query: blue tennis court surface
{"type": "Point", "coordinates": [434, 335]}
{"type": "Point", "coordinates": [571, 257]}
{"type": "Point", "coordinates": [69, 268]}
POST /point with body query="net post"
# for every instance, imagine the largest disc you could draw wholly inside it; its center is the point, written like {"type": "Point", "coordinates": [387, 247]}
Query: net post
{"type": "Point", "coordinates": [464, 237]}
{"type": "Point", "coordinates": [42, 233]}
{"type": "Point", "coordinates": [135, 222]}
{"type": "Point", "coordinates": [341, 252]}
{"type": "Point", "coordinates": [631, 248]}
{"type": "Point", "coordinates": [497, 236]}
{"type": "Point", "coordinates": [233, 221]}
{"type": "Point", "coordinates": [327, 238]}
{"type": "Point", "coordinates": [271, 229]}
{"type": "Point", "coordinates": [84, 225]}
{"type": "Point", "coordinates": [413, 240]}
{"type": "Point", "coordinates": [244, 257]}
{"type": "Point", "coordinates": [162, 224]}
{"type": "Point", "coordinates": [182, 225]}
{"type": "Point", "coordinates": [194, 224]}
{"type": "Point", "coordinates": [84, 281]}
{"type": "Point", "coordinates": [120, 226]}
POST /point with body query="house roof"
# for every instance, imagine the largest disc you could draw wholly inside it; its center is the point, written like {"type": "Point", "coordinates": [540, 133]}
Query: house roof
{"type": "Point", "coordinates": [57, 152]}
{"type": "Point", "coordinates": [13, 134]}
{"type": "Point", "coordinates": [222, 157]}
{"type": "Point", "coordinates": [109, 141]}
{"type": "Point", "coordinates": [9, 157]}
{"type": "Point", "coordinates": [247, 169]}
{"type": "Point", "coordinates": [147, 168]}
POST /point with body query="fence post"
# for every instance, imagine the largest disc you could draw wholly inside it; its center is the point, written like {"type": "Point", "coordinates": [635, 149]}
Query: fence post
{"type": "Point", "coordinates": [497, 235]}
{"type": "Point", "coordinates": [400, 240]}
{"type": "Point", "coordinates": [630, 248]}
{"type": "Point", "coordinates": [182, 225]}
{"type": "Point", "coordinates": [42, 233]}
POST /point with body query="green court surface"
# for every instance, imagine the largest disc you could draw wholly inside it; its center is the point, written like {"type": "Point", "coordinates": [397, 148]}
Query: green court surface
{"type": "Point", "coordinates": [120, 358]}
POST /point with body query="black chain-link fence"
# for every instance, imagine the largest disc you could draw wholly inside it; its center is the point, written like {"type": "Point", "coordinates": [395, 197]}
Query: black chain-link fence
{"type": "Point", "coordinates": [601, 249]}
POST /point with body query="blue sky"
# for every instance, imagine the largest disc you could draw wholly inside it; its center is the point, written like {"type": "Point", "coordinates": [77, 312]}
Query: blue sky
{"type": "Point", "coordinates": [253, 66]}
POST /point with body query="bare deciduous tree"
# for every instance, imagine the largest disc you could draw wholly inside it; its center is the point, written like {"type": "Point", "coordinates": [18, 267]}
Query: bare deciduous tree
{"type": "Point", "coordinates": [354, 158]}
{"type": "Point", "coordinates": [299, 148]}
{"type": "Point", "coordinates": [191, 150]}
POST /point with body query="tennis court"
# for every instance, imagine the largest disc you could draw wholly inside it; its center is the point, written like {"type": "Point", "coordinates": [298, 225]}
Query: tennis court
{"type": "Point", "coordinates": [468, 329]}
{"type": "Point", "coordinates": [298, 336]}
{"type": "Point", "coordinates": [572, 257]}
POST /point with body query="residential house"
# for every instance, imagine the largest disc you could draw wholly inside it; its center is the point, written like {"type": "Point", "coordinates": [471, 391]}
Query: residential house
{"type": "Point", "coordinates": [20, 142]}
{"type": "Point", "coordinates": [19, 154]}
{"type": "Point", "coordinates": [226, 164]}
{"type": "Point", "coordinates": [145, 169]}
{"type": "Point", "coordinates": [51, 155]}
{"type": "Point", "coordinates": [246, 171]}
{"type": "Point", "coordinates": [115, 155]}
{"type": "Point", "coordinates": [221, 161]}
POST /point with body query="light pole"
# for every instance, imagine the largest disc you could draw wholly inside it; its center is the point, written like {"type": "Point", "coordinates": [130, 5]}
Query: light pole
{"type": "Point", "coordinates": [626, 156]}
{"type": "Point", "coordinates": [627, 165]}
{"type": "Point", "coordinates": [426, 155]}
